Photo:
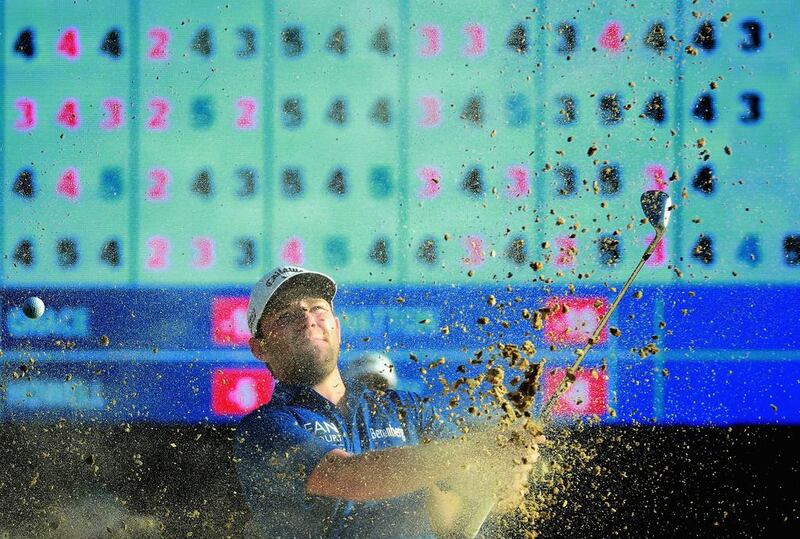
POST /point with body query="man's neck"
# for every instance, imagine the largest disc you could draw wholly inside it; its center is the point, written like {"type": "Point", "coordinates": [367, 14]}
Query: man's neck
{"type": "Point", "coordinates": [332, 387]}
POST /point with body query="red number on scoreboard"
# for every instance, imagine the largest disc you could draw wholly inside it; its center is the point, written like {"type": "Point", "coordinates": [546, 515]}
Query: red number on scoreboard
{"type": "Point", "coordinates": [431, 111]}
{"type": "Point", "coordinates": [159, 121]}
{"type": "Point", "coordinates": [572, 320]}
{"type": "Point", "coordinates": [27, 114]}
{"type": "Point", "coordinates": [159, 253]}
{"type": "Point", "coordinates": [611, 39]}
{"type": "Point", "coordinates": [659, 256]}
{"type": "Point", "coordinates": [292, 252]}
{"type": "Point", "coordinates": [656, 175]}
{"type": "Point", "coordinates": [69, 114]}
{"type": "Point", "coordinates": [247, 111]}
{"type": "Point", "coordinates": [567, 252]}
{"type": "Point", "coordinates": [159, 44]}
{"type": "Point", "coordinates": [114, 113]}
{"type": "Point", "coordinates": [69, 44]}
{"type": "Point", "coordinates": [203, 252]}
{"type": "Point", "coordinates": [433, 40]}
{"type": "Point", "coordinates": [69, 184]}
{"type": "Point", "coordinates": [520, 182]}
{"type": "Point", "coordinates": [473, 248]}
{"type": "Point", "coordinates": [160, 178]}
{"type": "Point", "coordinates": [431, 182]}
{"type": "Point", "coordinates": [476, 40]}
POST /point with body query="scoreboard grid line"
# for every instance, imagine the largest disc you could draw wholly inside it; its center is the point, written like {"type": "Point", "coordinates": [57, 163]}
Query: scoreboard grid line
{"type": "Point", "coordinates": [539, 135]}
{"type": "Point", "coordinates": [133, 166]}
{"type": "Point", "coordinates": [2, 138]}
{"type": "Point", "coordinates": [403, 128]}
{"type": "Point", "coordinates": [269, 134]}
{"type": "Point", "coordinates": [677, 225]}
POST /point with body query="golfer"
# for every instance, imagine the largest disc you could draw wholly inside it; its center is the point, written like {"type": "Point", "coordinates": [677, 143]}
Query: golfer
{"type": "Point", "coordinates": [325, 459]}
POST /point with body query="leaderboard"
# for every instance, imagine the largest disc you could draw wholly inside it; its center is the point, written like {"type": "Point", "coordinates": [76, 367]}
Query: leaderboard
{"type": "Point", "coordinates": [196, 143]}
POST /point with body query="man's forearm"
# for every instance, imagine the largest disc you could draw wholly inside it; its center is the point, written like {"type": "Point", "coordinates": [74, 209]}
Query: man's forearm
{"type": "Point", "coordinates": [390, 472]}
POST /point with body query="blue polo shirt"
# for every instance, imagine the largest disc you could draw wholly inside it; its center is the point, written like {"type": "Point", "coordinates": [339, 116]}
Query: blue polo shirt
{"type": "Point", "coordinates": [278, 445]}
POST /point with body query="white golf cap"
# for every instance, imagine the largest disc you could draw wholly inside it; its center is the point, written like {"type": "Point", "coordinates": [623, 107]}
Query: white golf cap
{"type": "Point", "coordinates": [265, 289]}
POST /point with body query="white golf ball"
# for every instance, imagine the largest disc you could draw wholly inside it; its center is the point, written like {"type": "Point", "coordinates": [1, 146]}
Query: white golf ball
{"type": "Point", "coordinates": [33, 307]}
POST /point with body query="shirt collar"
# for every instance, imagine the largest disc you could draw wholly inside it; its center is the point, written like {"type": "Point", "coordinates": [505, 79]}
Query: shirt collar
{"type": "Point", "coordinates": [303, 395]}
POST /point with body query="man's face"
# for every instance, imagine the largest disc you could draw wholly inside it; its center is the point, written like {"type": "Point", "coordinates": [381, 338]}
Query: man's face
{"type": "Point", "coordinates": [299, 338]}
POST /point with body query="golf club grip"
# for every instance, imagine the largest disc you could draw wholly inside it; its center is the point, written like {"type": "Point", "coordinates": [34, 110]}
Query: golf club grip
{"type": "Point", "coordinates": [564, 384]}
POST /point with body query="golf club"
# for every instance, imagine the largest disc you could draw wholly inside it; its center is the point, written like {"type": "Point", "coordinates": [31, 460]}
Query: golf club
{"type": "Point", "coordinates": [656, 206]}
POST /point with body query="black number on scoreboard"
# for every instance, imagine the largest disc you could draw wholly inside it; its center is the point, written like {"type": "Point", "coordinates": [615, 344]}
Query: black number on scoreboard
{"type": "Point", "coordinates": [24, 253]}
{"type": "Point", "coordinates": [656, 109]}
{"type": "Point", "coordinates": [337, 41]}
{"type": "Point", "coordinates": [703, 250]}
{"type": "Point", "coordinates": [752, 103]}
{"type": "Point", "coordinates": [609, 178]}
{"type": "Point", "coordinates": [379, 252]}
{"type": "Point", "coordinates": [610, 250]}
{"type": "Point", "coordinates": [517, 250]}
{"type": "Point", "coordinates": [25, 183]}
{"type": "Point", "coordinates": [752, 36]}
{"type": "Point", "coordinates": [111, 44]}
{"type": "Point", "coordinates": [67, 253]}
{"type": "Point", "coordinates": [292, 183]}
{"type": "Point", "coordinates": [568, 111]}
{"type": "Point", "coordinates": [566, 177]}
{"type": "Point", "coordinates": [472, 112]}
{"type": "Point", "coordinates": [247, 252]}
{"type": "Point", "coordinates": [704, 108]}
{"type": "Point", "coordinates": [791, 249]}
{"type": "Point", "coordinates": [705, 180]}
{"type": "Point", "coordinates": [610, 109]}
{"type": "Point", "coordinates": [428, 251]}
{"type": "Point", "coordinates": [110, 253]}
{"type": "Point", "coordinates": [656, 37]}
{"type": "Point", "coordinates": [381, 41]}
{"type": "Point", "coordinates": [569, 38]}
{"type": "Point", "coordinates": [203, 184]}
{"type": "Point", "coordinates": [337, 182]}
{"type": "Point", "coordinates": [25, 45]}
{"type": "Point", "coordinates": [517, 39]}
{"type": "Point", "coordinates": [292, 116]}
{"type": "Point", "coordinates": [337, 113]}
{"type": "Point", "coordinates": [381, 112]}
{"type": "Point", "coordinates": [203, 42]}
{"type": "Point", "coordinates": [248, 36]}
{"type": "Point", "coordinates": [292, 39]}
{"type": "Point", "coordinates": [704, 36]}
{"type": "Point", "coordinates": [247, 182]}
{"type": "Point", "coordinates": [473, 183]}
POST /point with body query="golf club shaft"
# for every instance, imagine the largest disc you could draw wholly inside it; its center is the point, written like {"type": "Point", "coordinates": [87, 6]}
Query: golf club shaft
{"type": "Point", "coordinates": [565, 382]}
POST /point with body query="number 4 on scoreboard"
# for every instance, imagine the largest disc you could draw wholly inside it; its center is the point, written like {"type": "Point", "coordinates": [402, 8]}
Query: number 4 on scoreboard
{"type": "Point", "coordinates": [69, 184]}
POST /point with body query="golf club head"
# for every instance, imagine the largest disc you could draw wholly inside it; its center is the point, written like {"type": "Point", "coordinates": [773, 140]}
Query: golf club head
{"type": "Point", "coordinates": [655, 205]}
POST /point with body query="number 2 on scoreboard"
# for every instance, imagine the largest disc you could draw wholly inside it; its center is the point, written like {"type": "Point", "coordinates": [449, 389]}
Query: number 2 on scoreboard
{"type": "Point", "coordinates": [160, 178]}
{"type": "Point", "coordinates": [159, 253]}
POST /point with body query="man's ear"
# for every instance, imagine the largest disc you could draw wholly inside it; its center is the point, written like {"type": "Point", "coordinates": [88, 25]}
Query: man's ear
{"type": "Point", "coordinates": [257, 349]}
{"type": "Point", "coordinates": [338, 327]}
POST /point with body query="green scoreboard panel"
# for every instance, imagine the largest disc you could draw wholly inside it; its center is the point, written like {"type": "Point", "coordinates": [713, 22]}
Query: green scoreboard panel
{"type": "Point", "coordinates": [197, 143]}
{"type": "Point", "coordinates": [164, 155]}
